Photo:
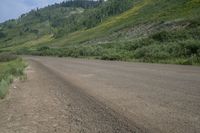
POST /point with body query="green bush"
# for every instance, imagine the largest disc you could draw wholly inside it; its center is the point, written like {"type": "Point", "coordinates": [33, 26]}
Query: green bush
{"type": "Point", "coordinates": [152, 53]}
{"type": "Point", "coordinates": [4, 57]}
{"type": "Point", "coordinates": [131, 46]}
{"type": "Point", "coordinates": [162, 36]}
{"type": "Point", "coordinates": [113, 56]}
{"type": "Point", "coordinates": [170, 36]}
{"type": "Point", "coordinates": [42, 48]}
{"type": "Point", "coordinates": [191, 47]}
{"type": "Point", "coordinates": [23, 51]}
{"type": "Point", "coordinates": [194, 23]}
{"type": "Point", "coordinates": [2, 35]}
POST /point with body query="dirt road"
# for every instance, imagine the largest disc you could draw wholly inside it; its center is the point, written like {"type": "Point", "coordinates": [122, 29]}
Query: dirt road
{"type": "Point", "coordinates": [78, 95]}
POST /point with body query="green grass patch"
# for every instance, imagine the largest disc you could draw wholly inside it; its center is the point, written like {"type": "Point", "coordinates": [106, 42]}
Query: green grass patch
{"type": "Point", "coordinates": [9, 70]}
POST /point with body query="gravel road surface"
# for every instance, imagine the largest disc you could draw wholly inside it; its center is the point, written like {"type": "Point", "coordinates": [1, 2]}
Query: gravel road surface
{"type": "Point", "coordinates": [65, 95]}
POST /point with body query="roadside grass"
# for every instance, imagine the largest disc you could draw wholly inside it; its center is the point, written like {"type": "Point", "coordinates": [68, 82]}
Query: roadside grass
{"type": "Point", "coordinates": [180, 46]}
{"type": "Point", "coordinates": [8, 71]}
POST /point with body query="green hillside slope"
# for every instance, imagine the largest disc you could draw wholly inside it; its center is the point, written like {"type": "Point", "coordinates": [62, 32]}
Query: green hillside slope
{"type": "Point", "coordinates": [164, 31]}
{"type": "Point", "coordinates": [145, 12]}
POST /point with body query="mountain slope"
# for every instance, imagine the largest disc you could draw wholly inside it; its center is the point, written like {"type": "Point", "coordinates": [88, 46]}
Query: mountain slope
{"type": "Point", "coordinates": [164, 31]}
{"type": "Point", "coordinates": [147, 11]}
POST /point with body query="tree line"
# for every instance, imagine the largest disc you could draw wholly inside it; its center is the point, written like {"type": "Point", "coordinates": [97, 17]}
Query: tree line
{"type": "Point", "coordinates": [81, 3]}
{"type": "Point", "coordinates": [91, 16]}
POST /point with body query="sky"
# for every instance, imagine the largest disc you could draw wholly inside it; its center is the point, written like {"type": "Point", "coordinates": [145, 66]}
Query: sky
{"type": "Point", "coordinates": [11, 9]}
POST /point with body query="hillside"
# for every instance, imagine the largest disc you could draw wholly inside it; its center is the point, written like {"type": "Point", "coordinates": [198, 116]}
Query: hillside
{"type": "Point", "coordinates": [164, 31]}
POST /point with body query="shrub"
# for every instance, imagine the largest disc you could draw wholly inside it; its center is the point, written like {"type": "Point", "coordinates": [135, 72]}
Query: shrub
{"type": "Point", "coordinates": [112, 54]}
{"type": "Point", "coordinates": [23, 51]}
{"type": "Point", "coordinates": [194, 23]}
{"type": "Point", "coordinates": [4, 57]}
{"type": "Point", "coordinates": [42, 48]}
{"type": "Point", "coordinates": [2, 35]}
{"type": "Point", "coordinates": [191, 47]}
{"type": "Point", "coordinates": [131, 46]}
{"type": "Point", "coordinates": [152, 53]}
{"type": "Point", "coordinates": [170, 36]}
{"type": "Point", "coordinates": [161, 36]}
